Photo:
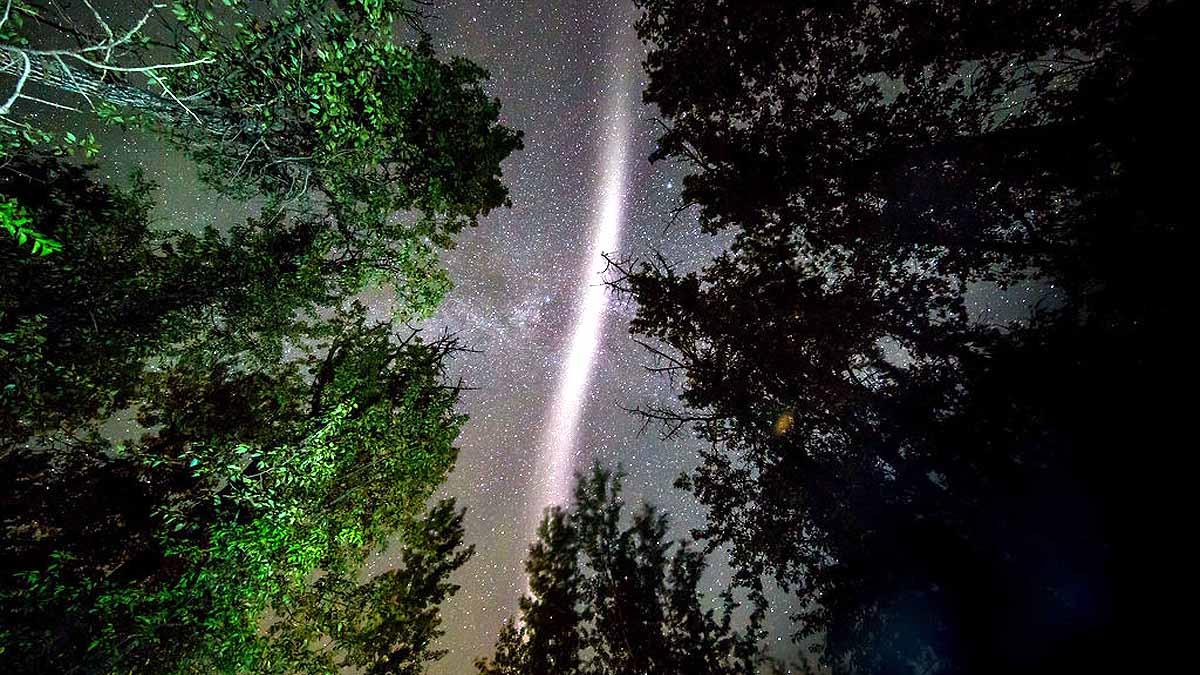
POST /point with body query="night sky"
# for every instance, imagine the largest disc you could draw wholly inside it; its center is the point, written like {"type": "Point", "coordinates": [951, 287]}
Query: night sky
{"type": "Point", "coordinates": [569, 75]}
{"type": "Point", "coordinates": [552, 368]}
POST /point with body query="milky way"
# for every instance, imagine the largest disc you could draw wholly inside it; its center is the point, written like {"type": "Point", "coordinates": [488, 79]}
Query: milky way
{"type": "Point", "coordinates": [559, 450]}
{"type": "Point", "coordinates": [527, 291]}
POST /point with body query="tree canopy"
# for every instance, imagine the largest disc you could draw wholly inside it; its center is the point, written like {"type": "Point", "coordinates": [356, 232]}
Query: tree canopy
{"type": "Point", "coordinates": [202, 434]}
{"type": "Point", "coordinates": [933, 486]}
{"type": "Point", "coordinates": [167, 551]}
{"type": "Point", "coordinates": [306, 104]}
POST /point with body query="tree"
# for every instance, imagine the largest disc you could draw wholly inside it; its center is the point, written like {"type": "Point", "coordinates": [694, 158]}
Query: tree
{"type": "Point", "coordinates": [300, 101]}
{"type": "Point", "coordinates": [617, 592]}
{"type": "Point", "coordinates": [243, 487]}
{"type": "Point", "coordinates": [549, 639]}
{"type": "Point", "coordinates": [923, 479]}
{"type": "Point", "coordinates": [386, 625]}
{"type": "Point", "coordinates": [283, 437]}
{"type": "Point", "coordinates": [280, 437]}
{"type": "Point", "coordinates": [78, 329]}
{"type": "Point", "coordinates": [256, 466]}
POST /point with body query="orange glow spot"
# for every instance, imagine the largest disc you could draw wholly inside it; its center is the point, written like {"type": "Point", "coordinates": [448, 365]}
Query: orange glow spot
{"type": "Point", "coordinates": [784, 423]}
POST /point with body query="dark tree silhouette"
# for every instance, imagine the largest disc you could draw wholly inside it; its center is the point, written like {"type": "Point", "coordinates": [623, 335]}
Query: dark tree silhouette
{"type": "Point", "coordinates": [943, 492]}
{"type": "Point", "coordinates": [609, 599]}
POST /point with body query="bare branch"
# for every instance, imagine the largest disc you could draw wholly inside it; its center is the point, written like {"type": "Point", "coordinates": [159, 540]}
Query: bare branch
{"type": "Point", "coordinates": [24, 77]}
{"type": "Point", "coordinates": [245, 159]}
{"type": "Point", "coordinates": [660, 354]}
{"type": "Point", "coordinates": [159, 81]}
{"type": "Point", "coordinates": [99, 20]}
{"type": "Point", "coordinates": [52, 104]}
{"type": "Point", "coordinates": [7, 11]}
{"type": "Point", "coordinates": [137, 28]}
{"type": "Point", "coordinates": [122, 69]}
{"type": "Point", "coordinates": [71, 76]}
{"type": "Point", "coordinates": [672, 421]}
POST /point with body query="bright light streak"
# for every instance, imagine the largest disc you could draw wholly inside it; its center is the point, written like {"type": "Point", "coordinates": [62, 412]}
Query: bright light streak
{"type": "Point", "coordinates": [559, 447]}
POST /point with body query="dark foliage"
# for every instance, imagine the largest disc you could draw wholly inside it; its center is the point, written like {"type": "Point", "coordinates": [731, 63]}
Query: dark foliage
{"type": "Point", "coordinates": [273, 437]}
{"type": "Point", "coordinates": [606, 599]}
{"type": "Point", "coordinates": [943, 492]}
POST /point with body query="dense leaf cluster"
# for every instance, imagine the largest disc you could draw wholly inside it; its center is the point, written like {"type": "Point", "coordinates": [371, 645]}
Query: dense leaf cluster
{"type": "Point", "coordinates": [16, 223]}
{"type": "Point", "coordinates": [321, 95]}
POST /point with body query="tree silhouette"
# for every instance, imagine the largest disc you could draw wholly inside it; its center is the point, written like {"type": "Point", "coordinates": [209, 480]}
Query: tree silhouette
{"type": "Point", "coordinates": [940, 490]}
{"type": "Point", "coordinates": [610, 599]}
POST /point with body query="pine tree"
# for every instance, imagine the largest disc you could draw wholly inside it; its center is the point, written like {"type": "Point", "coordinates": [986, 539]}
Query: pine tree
{"type": "Point", "coordinates": [610, 599]}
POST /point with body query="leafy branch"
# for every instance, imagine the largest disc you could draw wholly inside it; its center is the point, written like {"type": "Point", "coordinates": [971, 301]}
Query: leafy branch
{"type": "Point", "coordinates": [15, 220]}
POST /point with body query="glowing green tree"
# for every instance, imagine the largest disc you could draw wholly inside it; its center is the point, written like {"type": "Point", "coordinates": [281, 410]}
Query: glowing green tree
{"type": "Point", "coordinates": [248, 486]}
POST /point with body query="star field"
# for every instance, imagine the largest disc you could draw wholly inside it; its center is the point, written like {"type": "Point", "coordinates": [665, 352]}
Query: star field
{"type": "Point", "coordinates": [518, 278]}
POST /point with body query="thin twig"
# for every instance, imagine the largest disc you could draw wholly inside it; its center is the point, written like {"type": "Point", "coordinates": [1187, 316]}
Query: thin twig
{"type": "Point", "coordinates": [52, 104]}
{"type": "Point", "coordinates": [7, 11]}
{"type": "Point", "coordinates": [247, 157]}
{"type": "Point", "coordinates": [159, 81]}
{"type": "Point", "coordinates": [99, 20]}
{"type": "Point", "coordinates": [71, 76]}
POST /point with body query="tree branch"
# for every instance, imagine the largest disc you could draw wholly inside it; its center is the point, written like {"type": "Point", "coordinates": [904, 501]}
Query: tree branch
{"type": "Point", "coordinates": [20, 86]}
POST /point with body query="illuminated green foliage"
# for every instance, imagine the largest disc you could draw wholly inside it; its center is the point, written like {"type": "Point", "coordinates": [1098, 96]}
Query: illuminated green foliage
{"type": "Point", "coordinates": [371, 127]}
{"type": "Point", "coordinates": [216, 521]}
{"type": "Point", "coordinates": [15, 221]}
{"type": "Point", "coordinates": [310, 105]}
{"type": "Point", "coordinates": [202, 436]}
